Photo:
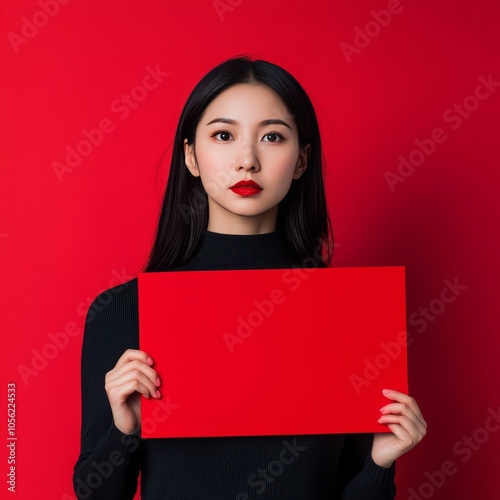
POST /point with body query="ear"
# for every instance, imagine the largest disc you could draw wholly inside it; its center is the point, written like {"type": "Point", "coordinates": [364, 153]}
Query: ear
{"type": "Point", "coordinates": [302, 161]}
{"type": "Point", "coordinates": [190, 158]}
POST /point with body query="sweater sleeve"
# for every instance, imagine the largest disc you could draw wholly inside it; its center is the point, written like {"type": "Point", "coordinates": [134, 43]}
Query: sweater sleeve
{"type": "Point", "coordinates": [363, 478]}
{"type": "Point", "coordinates": [108, 464]}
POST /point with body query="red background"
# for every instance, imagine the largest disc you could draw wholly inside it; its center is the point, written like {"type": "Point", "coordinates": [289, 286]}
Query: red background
{"type": "Point", "coordinates": [63, 242]}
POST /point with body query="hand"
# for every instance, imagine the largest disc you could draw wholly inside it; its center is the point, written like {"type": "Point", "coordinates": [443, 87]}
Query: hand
{"type": "Point", "coordinates": [407, 425]}
{"type": "Point", "coordinates": [124, 384]}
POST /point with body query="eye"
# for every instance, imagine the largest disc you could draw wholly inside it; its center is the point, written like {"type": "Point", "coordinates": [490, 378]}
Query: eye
{"type": "Point", "coordinates": [224, 135]}
{"type": "Point", "coordinates": [273, 137]}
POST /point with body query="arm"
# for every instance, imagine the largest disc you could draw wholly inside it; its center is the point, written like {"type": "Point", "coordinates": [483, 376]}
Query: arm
{"type": "Point", "coordinates": [108, 465]}
{"type": "Point", "coordinates": [361, 478]}
{"type": "Point", "coordinates": [380, 451]}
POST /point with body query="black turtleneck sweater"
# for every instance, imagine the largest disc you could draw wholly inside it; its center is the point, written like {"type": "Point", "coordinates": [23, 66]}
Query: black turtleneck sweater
{"type": "Point", "coordinates": [302, 467]}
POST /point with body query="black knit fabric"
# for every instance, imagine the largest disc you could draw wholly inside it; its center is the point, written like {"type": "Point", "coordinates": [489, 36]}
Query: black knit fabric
{"type": "Point", "coordinates": [302, 467]}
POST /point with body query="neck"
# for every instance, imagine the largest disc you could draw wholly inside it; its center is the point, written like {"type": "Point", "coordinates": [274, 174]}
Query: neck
{"type": "Point", "coordinates": [219, 251]}
{"type": "Point", "coordinates": [225, 222]}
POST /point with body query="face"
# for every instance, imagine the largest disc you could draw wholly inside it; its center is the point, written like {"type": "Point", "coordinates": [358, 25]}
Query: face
{"type": "Point", "coordinates": [245, 134]}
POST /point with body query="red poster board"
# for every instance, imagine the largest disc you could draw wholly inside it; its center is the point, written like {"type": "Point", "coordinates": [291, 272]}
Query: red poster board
{"type": "Point", "coordinates": [272, 352]}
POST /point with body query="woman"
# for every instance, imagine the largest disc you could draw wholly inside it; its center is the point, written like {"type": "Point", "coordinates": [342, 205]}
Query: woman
{"type": "Point", "coordinates": [245, 191]}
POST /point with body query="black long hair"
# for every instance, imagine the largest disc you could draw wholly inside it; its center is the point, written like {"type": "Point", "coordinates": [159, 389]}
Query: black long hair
{"type": "Point", "coordinates": [302, 214]}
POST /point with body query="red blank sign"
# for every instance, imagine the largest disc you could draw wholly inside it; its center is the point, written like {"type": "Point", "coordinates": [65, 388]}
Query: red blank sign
{"type": "Point", "coordinates": [274, 351]}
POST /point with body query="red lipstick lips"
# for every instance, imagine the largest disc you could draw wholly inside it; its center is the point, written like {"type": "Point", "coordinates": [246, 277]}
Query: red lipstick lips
{"type": "Point", "coordinates": [246, 188]}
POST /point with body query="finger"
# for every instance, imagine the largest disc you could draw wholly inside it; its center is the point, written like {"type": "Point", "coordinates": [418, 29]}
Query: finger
{"type": "Point", "coordinates": [410, 432]}
{"type": "Point", "coordinates": [400, 408]}
{"type": "Point", "coordinates": [406, 442]}
{"type": "Point", "coordinates": [130, 376]}
{"type": "Point", "coordinates": [131, 354]}
{"type": "Point", "coordinates": [120, 393]}
{"type": "Point", "coordinates": [404, 398]}
{"type": "Point", "coordinates": [133, 365]}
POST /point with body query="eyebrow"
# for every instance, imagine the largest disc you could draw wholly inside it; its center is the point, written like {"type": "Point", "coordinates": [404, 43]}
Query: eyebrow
{"type": "Point", "coordinates": [263, 123]}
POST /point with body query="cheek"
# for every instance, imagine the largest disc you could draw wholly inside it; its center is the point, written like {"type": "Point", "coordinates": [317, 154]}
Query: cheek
{"type": "Point", "coordinates": [280, 173]}
{"type": "Point", "coordinates": [213, 158]}
{"type": "Point", "coordinates": [283, 163]}
{"type": "Point", "coordinates": [214, 177]}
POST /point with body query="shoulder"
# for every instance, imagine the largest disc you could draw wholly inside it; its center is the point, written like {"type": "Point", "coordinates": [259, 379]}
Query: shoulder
{"type": "Point", "coordinates": [114, 305]}
{"type": "Point", "coordinates": [118, 295]}
{"type": "Point", "coordinates": [112, 323]}
{"type": "Point", "coordinates": [111, 327]}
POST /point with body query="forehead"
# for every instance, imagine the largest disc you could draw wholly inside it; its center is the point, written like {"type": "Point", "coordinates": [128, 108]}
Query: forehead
{"type": "Point", "coordinates": [248, 103]}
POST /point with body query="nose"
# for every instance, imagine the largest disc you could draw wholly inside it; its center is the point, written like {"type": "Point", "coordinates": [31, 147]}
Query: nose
{"type": "Point", "coordinates": [247, 159]}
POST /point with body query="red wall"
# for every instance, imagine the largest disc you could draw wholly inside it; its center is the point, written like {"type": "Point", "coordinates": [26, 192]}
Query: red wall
{"type": "Point", "coordinates": [65, 238]}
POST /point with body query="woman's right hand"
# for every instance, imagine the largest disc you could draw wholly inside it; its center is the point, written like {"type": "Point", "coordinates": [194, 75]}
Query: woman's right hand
{"type": "Point", "coordinates": [124, 384]}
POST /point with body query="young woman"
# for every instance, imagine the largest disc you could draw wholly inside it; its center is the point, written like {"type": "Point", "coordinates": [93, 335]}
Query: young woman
{"type": "Point", "coordinates": [245, 191]}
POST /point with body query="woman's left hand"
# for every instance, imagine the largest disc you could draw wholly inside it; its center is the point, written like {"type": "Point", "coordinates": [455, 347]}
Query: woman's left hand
{"type": "Point", "coordinates": [404, 419]}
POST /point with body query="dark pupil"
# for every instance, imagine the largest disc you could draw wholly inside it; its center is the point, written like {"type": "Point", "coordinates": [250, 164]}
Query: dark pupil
{"type": "Point", "coordinates": [224, 136]}
{"type": "Point", "coordinates": [271, 137]}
